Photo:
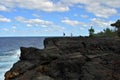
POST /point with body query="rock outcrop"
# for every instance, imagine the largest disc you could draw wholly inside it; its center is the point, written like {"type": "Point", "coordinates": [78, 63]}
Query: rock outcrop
{"type": "Point", "coordinates": [69, 59]}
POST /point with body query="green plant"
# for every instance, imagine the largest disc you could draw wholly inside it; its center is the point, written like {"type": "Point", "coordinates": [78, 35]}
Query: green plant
{"type": "Point", "coordinates": [117, 25]}
{"type": "Point", "coordinates": [91, 32]}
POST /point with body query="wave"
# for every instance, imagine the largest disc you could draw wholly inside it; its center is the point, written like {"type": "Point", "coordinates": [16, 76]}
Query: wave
{"type": "Point", "coordinates": [7, 59]}
{"type": "Point", "coordinates": [1, 76]}
{"type": "Point", "coordinates": [9, 52]}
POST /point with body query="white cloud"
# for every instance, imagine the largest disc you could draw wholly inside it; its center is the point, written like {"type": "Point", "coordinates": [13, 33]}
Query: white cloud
{"type": "Point", "coordinates": [20, 18]}
{"type": "Point", "coordinates": [95, 22]}
{"type": "Point", "coordinates": [73, 22]}
{"type": "Point", "coordinates": [81, 28]}
{"type": "Point", "coordinates": [46, 30]}
{"type": "Point", "coordinates": [36, 15]}
{"type": "Point", "coordinates": [70, 22]}
{"type": "Point", "coordinates": [44, 5]}
{"type": "Point", "coordinates": [3, 8]}
{"type": "Point", "coordinates": [5, 29]}
{"type": "Point", "coordinates": [111, 3]}
{"type": "Point", "coordinates": [47, 25]}
{"type": "Point", "coordinates": [58, 28]}
{"type": "Point", "coordinates": [44, 26]}
{"type": "Point", "coordinates": [80, 6]}
{"type": "Point", "coordinates": [14, 27]}
{"type": "Point", "coordinates": [77, 1]}
{"type": "Point", "coordinates": [100, 8]}
{"type": "Point", "coordinates": [4, 19]}
{"type": "Point", "coordinates": [35, 21]}
{"type": "Point", "coordinates": [28, 25]}
{"type": "Point", "coordinates": [76, 15]}
{"type": "Point", "coordinates": [100, 22]}
{"type": "Point", "coordinates": [84, 16]}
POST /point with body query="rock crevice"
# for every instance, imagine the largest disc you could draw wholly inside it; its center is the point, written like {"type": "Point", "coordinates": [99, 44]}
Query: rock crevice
{"type": "Point", "coordinates": [69, 59]}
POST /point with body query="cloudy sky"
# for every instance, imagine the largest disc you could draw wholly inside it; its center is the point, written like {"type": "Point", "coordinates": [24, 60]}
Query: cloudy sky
{"type": "Point", "coordinates": [53, 17]}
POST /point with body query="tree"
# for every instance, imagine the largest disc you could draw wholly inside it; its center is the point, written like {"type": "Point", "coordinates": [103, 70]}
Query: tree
{"type": "Point", "coordinates": [106, 33]}
{"type": "Point", "coordinates": [91, 32]}
{"type": "Point", "coordinates": [117, 25]}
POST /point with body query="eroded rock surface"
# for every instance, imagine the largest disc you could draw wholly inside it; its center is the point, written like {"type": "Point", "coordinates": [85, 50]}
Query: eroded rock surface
{"type": "Point", "coordinates": [69, 59]}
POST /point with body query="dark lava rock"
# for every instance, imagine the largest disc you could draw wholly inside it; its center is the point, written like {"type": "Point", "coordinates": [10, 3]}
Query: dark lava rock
{"type": "Point", "coordinates": [106, 67]}
{"type": "Point", "coordinates": [69, 59]}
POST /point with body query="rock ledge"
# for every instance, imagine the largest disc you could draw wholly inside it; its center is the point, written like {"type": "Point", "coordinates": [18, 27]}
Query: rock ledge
{"type": "Point", "coordinates": [69, 59]}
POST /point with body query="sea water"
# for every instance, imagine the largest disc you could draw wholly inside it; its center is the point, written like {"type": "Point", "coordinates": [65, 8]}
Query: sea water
{"type": "Point", "coordinates": [10, 50]}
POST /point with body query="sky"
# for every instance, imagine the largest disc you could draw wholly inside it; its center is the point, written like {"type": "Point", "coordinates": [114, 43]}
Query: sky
{"type": "Point", "coordinates": [53, 17]}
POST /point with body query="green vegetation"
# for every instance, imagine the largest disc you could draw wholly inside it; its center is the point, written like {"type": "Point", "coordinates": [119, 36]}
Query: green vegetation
{"type": "Point", "coordinates": [117, 26]}
{"type": "Point", "coordinates": [91, 32]}
{"type": "Point", "coordinates": [107, 33]}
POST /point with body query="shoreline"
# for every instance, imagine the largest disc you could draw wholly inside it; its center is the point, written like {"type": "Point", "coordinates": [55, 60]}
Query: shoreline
{"type": "Point", "coordinates": [73, 58]}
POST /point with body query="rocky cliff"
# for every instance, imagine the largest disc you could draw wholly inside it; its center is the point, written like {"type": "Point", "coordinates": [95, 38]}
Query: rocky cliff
{"type": "Point", "coordinates": [69, 59]}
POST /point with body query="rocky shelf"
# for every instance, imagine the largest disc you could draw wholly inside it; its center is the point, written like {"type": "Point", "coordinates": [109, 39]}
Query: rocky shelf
{"type": "Point", "coordinates": [76, 58]}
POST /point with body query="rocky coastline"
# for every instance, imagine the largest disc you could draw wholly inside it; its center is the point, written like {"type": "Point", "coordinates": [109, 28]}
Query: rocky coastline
{"type": "Point", "coordinates": [69, 58]}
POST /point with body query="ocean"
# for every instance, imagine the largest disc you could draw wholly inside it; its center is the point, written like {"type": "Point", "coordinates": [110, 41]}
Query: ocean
{"type": "Point", "coordinates": [10, 50]}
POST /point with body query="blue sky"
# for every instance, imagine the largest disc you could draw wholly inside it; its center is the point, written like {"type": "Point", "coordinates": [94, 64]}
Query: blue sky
{"type": "Point", "coordinates": [53, 17]}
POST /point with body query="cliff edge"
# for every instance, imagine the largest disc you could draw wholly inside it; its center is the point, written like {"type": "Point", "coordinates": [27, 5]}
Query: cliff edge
{"type": "Point", "coordinates": [69, 59]}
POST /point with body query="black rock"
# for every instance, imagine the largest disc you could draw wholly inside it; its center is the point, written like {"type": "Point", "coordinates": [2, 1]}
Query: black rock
{"type": "Point", "coordinates": [74, 58]}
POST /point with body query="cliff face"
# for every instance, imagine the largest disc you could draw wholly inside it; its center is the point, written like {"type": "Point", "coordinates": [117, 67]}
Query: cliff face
{"type": "Point", "coordinates": [69, 59]}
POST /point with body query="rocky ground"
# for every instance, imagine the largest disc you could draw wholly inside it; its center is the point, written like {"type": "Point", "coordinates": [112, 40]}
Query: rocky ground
{"type": "Point", "coordinates": [79, 58]}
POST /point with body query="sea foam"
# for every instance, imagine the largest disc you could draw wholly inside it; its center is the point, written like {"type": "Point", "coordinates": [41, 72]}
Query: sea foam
{"type": "Point", "coordinates": [7, 60]}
